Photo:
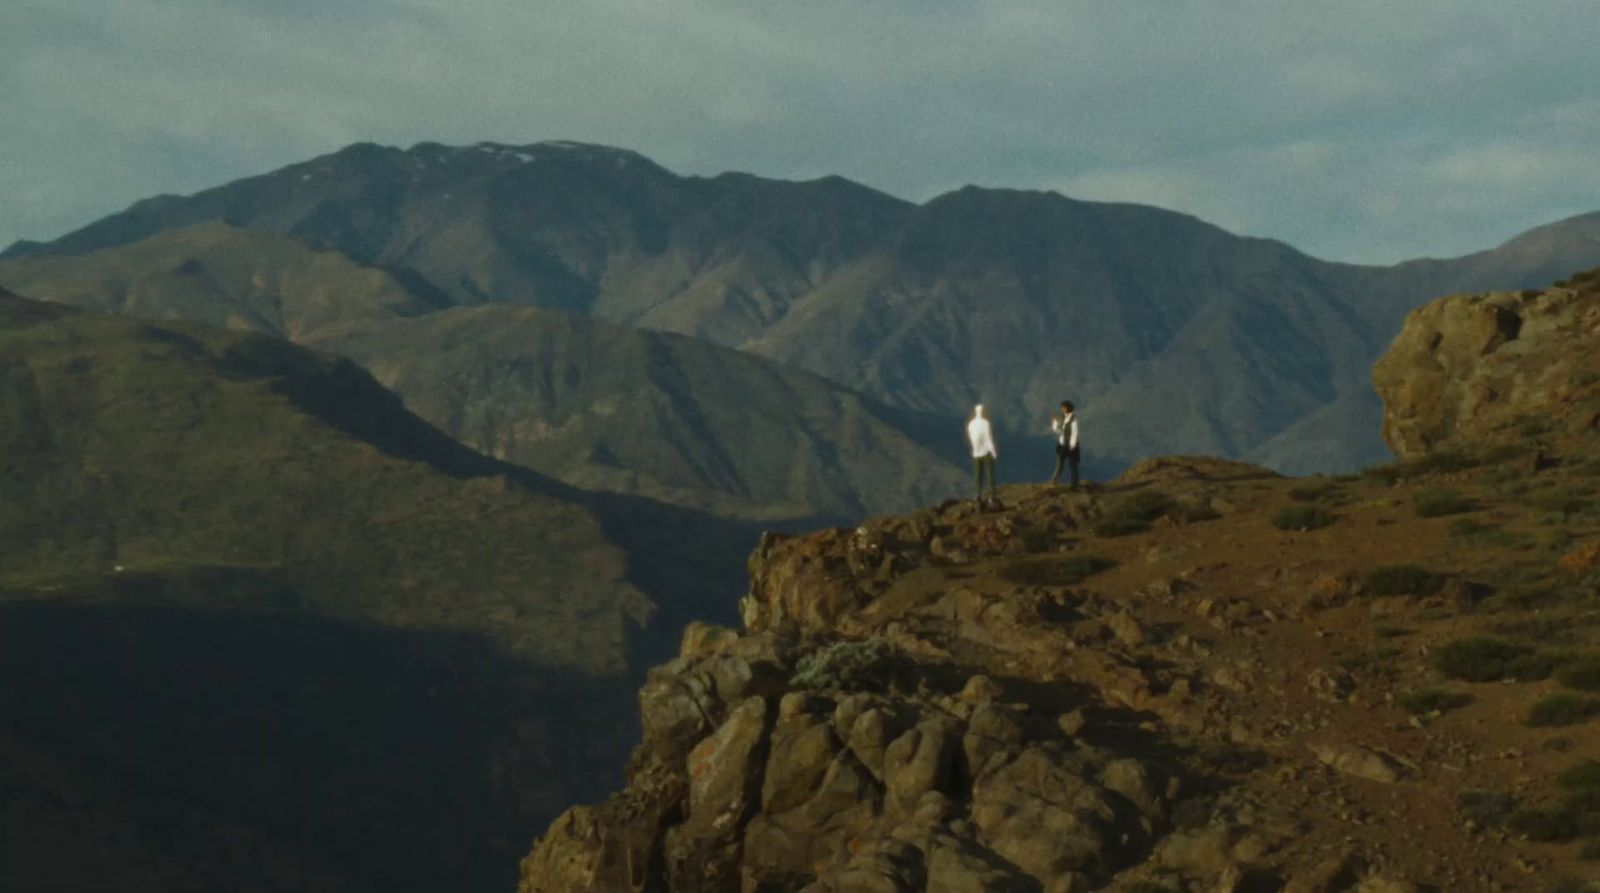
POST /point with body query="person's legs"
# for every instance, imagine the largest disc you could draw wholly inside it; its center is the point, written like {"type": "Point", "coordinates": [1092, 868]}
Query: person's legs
{"type": "Point", "coordinates": [981, 466]}
{"type": "Point", "coordinates": [992, 482]}
{"type": "Point", "coordinates": [1073, 458]}
{"type": "Point", "coordinates": [1061, 460]}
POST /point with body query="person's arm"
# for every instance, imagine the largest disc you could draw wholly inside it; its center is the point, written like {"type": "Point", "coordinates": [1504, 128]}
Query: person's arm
{"type": "Point", "coordinates": [1073, 444]}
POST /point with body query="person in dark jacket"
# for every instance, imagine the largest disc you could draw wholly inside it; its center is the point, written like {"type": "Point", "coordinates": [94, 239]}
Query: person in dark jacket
{"type": "Point", "coordinates": [1068, 453]}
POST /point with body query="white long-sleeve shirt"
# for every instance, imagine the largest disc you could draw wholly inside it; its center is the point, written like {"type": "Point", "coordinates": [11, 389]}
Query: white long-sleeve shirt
{"type": "Point", "coordinates": [981, 437]}
{"type": "Point", "coordinates": [1066, 431]}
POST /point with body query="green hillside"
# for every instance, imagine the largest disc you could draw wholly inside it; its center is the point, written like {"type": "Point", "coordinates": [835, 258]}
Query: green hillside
{"type": "Point", "coordinates": [259, 622]}
{"type": "Point", "coordinates": [594, 404]}
{"type": "Point", "coordinates": [611, 408]}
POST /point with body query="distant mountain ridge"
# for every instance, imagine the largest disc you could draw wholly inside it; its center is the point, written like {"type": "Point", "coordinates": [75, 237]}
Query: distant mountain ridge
{"type": "Point", "coordinates": [1172, 334]}
{"type": "Point", "coordinates": [598, 405]}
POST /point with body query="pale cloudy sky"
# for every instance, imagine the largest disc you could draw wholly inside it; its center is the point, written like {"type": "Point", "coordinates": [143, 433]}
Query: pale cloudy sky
{"type": "Point", "coordinates": [1365, 130]}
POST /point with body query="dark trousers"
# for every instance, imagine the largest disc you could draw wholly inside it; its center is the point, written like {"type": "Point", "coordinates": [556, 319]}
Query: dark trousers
{"type": "Point", "coordinates": [1066, 458]}
{"type": "Point", "coordinates": [980, 464]}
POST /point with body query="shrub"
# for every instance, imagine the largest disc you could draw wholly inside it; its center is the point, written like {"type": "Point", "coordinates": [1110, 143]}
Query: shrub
{"type": "Point", "coordinates": [849, 666]}
{"type": "Point", "coordinates": [1303, 517]}
{"type": "Point", "coordinates": [1533, 425]}
{"type": "Point", "coordinates": [1467, 528]}
{"type": "Point", "coordinates": [1433, 463]}
{"type": "Point", "coordinates": [1505, 452]}
{"type": "Point", "coordinates": [1584, 777]}
{"type": "Point", "coordinates": [1313, 490]}
{"type": "Point", "coordinates": [1133, 513]}
{"type": "Point", "coordinates": [1582, 673]}
{"type": "Point", "coordinates": [1036, 539]}
{"type": "Point", "coordinates": [1544, 825]}
{"type": "Point", "coordinates": [1561, 502]}
{"type": "Point", "coordinates": [1402, 579]}
{"type": "Point", "coordinates": [1489, 809]}
{"type": "Point", "coordinates": [1490, 660]}
{"type": "Point", "coordinates": [1190, 512]}
{"type": "Point", "coordinates": [1440, 502]}
{"type": "Point", "coordinates": [1431, 699]}
{"type": "Point", "coordinates": [1055, 571]}
{"type": "Point", "coordinates": [1562, 709]}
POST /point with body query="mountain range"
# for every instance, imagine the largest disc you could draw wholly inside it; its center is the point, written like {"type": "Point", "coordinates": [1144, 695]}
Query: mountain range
{"type": "Point", "coordinates": [595, 404]}
{"type": "Point", "coordinates": [1172, 335]}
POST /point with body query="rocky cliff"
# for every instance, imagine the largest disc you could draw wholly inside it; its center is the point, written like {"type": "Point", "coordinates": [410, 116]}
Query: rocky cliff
{"type": "Point", "coordinates": [1484, 368]}
{"type": "Point", "coordinates": [1199, 677]}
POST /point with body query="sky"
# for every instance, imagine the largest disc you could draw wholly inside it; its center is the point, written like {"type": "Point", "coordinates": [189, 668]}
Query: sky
{"type": "Point", "coordinates": [1357, 130]}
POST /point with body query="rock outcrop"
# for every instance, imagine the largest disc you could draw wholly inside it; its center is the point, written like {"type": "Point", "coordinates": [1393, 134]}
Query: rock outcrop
{"type": "Point", "coordinates": [1147, 686]}
{"type": "Point", "coordinates": [1201, 677]}
{"type": "Point", "coordinates": [1474, 369]}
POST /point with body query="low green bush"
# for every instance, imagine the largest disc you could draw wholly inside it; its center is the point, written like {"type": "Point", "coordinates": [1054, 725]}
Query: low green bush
{"type": "Point", "coordinates": [1582, 778]}
{"type": "Point", "coordinates": [1582, 673]}
{"type": "Point", "coordinates": [1303, 517]}
{"type": "Point", "coordinates": [1430, 699]}
{"type": "Point", "coordinates": [1133, 513]}
{"type": "Point", "coordinates": [1562, 709]}
{"type": "Point", "coordinates": [1491, 660]}
{"type": "Point", "coordinates": [1068, 571]}
{"type": "Point", "coordinates": [1505, 452]}
{"type": "Point", "coordinates": [1489, 809]}
{"type": "Point", "coordinates": [1313, 490]}
{"type": "Point", "coordinates": [1401, 579]}
{"type": "Point", "coordinates": [847, 666]}
{"type": "Point", "coordinates": [1543, 825]}
{"type": "Point", "coordinates": [1437, 503]}
{"type": "Point", "coordinates": [1433, 463]}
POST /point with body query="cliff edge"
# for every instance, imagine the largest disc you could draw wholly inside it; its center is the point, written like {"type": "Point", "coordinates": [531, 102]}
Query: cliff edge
{"type": "Point", "coordinates": [1198, 677]}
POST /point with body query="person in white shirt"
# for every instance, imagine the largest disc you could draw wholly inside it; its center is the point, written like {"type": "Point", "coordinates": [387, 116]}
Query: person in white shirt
{"type": "Point", "coordinates": [981, 438]}
{"type": "Point", "coordinates": [1065, 427]}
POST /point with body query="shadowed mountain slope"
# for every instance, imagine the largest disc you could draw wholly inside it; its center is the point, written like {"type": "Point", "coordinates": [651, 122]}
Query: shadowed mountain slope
{"type": "Point", "coordinates": [611, 408]}
{"type": "Point", "coordinates": [259, 622]}
{"type": "Point", "coordinates": [594, 404]}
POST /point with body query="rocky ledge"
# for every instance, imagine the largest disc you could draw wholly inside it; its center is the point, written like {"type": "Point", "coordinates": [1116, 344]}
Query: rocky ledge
{"type": "Point", "coordinates": [1492, 367]}
{"type": "Point", "coordinates": [1199, 677]}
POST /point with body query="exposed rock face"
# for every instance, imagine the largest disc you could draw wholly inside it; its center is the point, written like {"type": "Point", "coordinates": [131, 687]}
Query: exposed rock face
{"type": "Point", "coordinates": [1471, 369]}
{"type": "Point", "coordinates": [1005, 699]}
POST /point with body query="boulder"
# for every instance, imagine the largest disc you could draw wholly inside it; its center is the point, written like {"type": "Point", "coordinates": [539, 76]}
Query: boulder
{"type": "Point", "coordinates": [1467, 369]}
{"type": "Point", "coordinates": [923, 759]}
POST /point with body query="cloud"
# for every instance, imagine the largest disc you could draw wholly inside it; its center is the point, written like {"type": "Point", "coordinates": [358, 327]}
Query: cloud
{"type": "Point", "coordinates": [1355, 130]}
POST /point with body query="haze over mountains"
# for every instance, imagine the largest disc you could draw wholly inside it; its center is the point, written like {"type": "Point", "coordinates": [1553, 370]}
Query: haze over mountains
{"type": "Point", "coordinates": [1172, 334]}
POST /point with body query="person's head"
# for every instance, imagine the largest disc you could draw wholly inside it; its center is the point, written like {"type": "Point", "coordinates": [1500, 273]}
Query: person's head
{"type": "Point", "coordinates": [1066, 406]}
{"type": "Point", "coordinates": [977, 411]}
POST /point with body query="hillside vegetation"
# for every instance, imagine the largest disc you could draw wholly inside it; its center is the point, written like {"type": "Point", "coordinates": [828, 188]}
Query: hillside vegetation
{"type": "Point", "coordinates": [593, 404]}
{"type": "Point", "coordinates": [258, 621]}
